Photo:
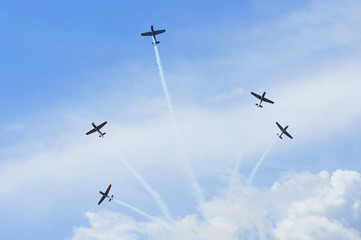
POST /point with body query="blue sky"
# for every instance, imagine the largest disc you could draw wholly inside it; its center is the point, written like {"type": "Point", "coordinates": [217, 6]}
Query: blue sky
{"type": "Point", "coordinates": [65, 65]}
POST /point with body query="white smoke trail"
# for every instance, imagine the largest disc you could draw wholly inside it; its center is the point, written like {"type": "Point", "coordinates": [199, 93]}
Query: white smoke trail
{"type": "Point", "coordinates": [241, 153]}
{"type": "Point", "coordinates": [164, 84]}
{"type": "Point", "coordinates": [135, 210]}
{"type": "Point", "coordinates": [250, 179]}
{"type": "Point", "coordinates": [161, 204]}
{"type": "Point", "coordinates": [197, 189]}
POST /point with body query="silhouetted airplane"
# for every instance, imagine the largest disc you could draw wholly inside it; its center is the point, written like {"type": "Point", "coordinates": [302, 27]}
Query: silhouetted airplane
{"type": "Point", "coordinates": [105, 195]}
{"type": "Point", "coordinates": [153, 33]}
{"type": "Point", "coordinates": [262, 99]}
{"type": "Point", "coordinates": [97, 129]}
{"type": "Point", "coordinates": [283, 131]}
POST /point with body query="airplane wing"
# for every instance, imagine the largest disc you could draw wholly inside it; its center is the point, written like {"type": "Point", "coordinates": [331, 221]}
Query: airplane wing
{"type": "Point", "coordinates": [267, 100]}
{"type": "Point", "coordinates": [280, 127]}
{"type": "Point", "coordinates": [159, 32]}
{"type": "Point", "coordinates": [101, 200]}
{"type": "Point", "coordinates": [146, 34]}
{"type": "Point", "coordinates": [288, 135]}
{"type": "Point", "coordinates": [102, 125]}
{"type": "Point", "coordinates": [91, 131]}
{"type": "Point", "coordinates": [108, 189]}
{"type": "Point", "coordinates": [256, 95]}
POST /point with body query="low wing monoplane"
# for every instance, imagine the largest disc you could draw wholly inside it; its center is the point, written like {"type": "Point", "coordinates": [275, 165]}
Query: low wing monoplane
{"type": "Point", "coordinates": [153, 33]}
{"type": "Point", "coordinates": [105, 195]}
{"type": "Point", "coordinates": [97, 129]}
{"type": "Point", "coordinates": [262, 99]}
{"type": "Point", "coordinates": [284, 131]}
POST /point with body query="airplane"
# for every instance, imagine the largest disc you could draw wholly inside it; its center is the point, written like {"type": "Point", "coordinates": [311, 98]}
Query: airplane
{"type": "Point", "coordinates": [262, 99]}
{"type": "Point", "coordinates": [105, 195]}
{"type": "Point", "coordinates": [97, 129]}
{"type": "Point", "coordinates": [284, 131]}
{"type": "Point", "coordinates": [153, 33]}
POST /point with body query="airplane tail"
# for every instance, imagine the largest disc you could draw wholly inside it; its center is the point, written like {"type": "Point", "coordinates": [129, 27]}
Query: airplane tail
{"type": "Point", "coordinates": [280, 136]}
{"type": "Point", "coordinates": [111, 198]}
{"type": "Point", "coordinates": [259, 105]}
{"type": "Point", "coordinates": [102, 134]}
{"type": "Point", "coordinates": [156, 42]}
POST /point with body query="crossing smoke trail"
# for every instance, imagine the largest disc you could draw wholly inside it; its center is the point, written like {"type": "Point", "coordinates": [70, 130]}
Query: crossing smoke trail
{"type": "Point", "coordinates": [161, 204]}
{"type": "Point", "coordinates": [238, 163]}
{"type": "Point", "coordinates": [135, 210]}
{"type": "Point", "coordinates": [250, 179]}
{"type": "Point", "coordinates": [166, 224]}
{"type": "Point", "coordinates": [195, 185]}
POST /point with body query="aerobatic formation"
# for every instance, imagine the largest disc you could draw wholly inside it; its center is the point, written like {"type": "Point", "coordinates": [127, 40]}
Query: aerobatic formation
{"type": "Point", "coordinates": [261, 99]}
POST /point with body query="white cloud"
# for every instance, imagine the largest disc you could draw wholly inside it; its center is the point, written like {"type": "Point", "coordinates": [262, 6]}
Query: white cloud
{"type": "Point", "coordinates": [316, 95]}
{"type": "Point", "coordinates": [298, 206]}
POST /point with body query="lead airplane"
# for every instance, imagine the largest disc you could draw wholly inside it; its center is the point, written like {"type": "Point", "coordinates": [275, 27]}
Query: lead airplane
{"type": "Point", "coordinates": [97, 129]}
{"type": "Point", "coordinates": [153, 33]}
{"type": "Point", "coordinates": [284, 131]}
{"type": "Point", "coordinates": [262, 99]}
{"type": "Point", "coordinates": [105, 195]}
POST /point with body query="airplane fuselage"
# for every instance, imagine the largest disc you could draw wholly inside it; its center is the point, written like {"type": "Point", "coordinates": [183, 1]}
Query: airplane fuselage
{"type": "Point", "coordinates": [261, 100]}
{"type": "Point", "coordinates": [106, 195]}
{"type": "Point", "coordinates": [283, 131]}
{"type": "Point", "coordinates": [155, 42]}
{"type": "Point", "coordinates": [98, 130]}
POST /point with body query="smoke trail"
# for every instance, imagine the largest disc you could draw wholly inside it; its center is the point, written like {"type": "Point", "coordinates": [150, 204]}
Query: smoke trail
{"type": "Point", "coordinates": [161, 204]}
{"type": "Point", "coordinates": [166, 224]}
{"type": "Point", "coordinates": [135, 210]}
{"type": "Point", "coordinates": [250, 179]}
{"type": "Point", "coordinates": [238, 162]}
{"type": "Point", "coordinates": [194, 183]}
{"type": "Point", "coordinates": [164, 85]}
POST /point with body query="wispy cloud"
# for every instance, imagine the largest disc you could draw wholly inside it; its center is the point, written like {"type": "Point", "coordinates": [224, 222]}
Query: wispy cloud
{"type": "Point", "coordinates": [308, 61]}
{"type": "Point", "coordinates": [298, 206]}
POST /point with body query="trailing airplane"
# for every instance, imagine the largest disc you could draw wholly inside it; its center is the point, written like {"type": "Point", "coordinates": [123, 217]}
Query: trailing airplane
{"type": "Point", "coordinates": [105, 195]}
{"type": "Point", "coordinates": [262, 99]}
{"type": "Point", "coordinates": [284, 131]}
{"type": "Point", "coordinates": [97, 129]}
{"type": "Point", "coordinates": [153, 33]}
